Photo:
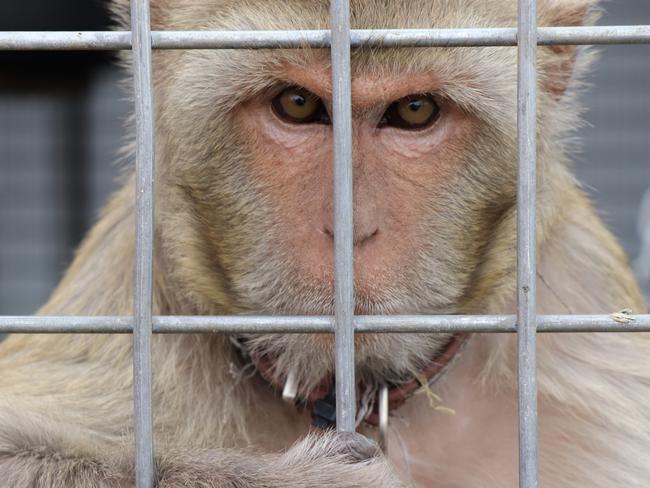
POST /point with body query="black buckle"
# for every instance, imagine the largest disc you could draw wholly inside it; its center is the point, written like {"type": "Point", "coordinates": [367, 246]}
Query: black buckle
{"type": "Point", "coordinates": [324, 412]}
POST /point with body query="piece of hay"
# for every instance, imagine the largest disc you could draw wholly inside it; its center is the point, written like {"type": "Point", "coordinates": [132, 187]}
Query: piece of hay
{"type": "Point", "coordinates": [435, 402]}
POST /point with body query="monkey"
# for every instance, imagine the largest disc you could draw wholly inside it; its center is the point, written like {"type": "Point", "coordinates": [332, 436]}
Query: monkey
{"type": "Point", "coordinates": [244, 225]}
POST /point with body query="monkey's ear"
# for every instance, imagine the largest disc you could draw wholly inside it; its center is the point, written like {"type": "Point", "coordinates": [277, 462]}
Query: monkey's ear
{"type": "Point", "coordinates": [560, 64]}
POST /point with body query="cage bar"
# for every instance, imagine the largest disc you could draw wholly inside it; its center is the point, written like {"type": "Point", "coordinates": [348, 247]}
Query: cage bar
{"type": "Point", "coordinates": [526, 241]}
{"type": "Point", "coordinates": [507, 36]}
{"type": "Point", "coordinates": [381, 324]}
{"type": "Point", "coordinates": [143, 327]}
{"type": "Point", "coordinates": [346, 404]}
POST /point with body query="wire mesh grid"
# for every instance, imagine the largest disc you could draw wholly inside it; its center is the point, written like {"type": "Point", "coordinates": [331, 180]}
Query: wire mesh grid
{"type": "Point", "coordinates": [141, 40]}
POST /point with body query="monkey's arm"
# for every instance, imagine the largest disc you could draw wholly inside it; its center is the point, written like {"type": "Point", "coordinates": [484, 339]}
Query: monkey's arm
{"type": "Point", "coordinates": [40, 468]}
{"type": "Point", "coordinates": [333, 460]}
{"type": "Point", "coordinates": [339, 461]}
{"type": "Point", "coordinates": [66, 415]}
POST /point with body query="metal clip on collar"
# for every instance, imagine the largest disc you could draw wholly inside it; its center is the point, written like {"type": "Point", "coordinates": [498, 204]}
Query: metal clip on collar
{"type": "Point", "coordinates": [383, 418]}
{"type": "Point", "coordinates": [290, 390]}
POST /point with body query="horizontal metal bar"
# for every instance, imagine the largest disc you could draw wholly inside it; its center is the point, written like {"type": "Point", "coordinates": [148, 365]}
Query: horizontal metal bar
{"type": "Point", "coordinates": [602, 34]}
{"type": "Point", "coordinates": [381, 324]}
{"type": "Point", "coordinates": [119, 40]}
{"type": "Point", "coordinates": [64, 325]}
{"type": "Point", "coordinates": [65, 41]}
{"type": "Point", "coordinates": [244, 324]}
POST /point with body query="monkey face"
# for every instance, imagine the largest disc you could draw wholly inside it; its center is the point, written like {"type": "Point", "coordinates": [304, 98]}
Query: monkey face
{"type": "Point", "coordinates": [401, 171]}
{"type": "Point", "coordinates": [245, 174]}
{"type": "Point", "coordinates": [255, 175]}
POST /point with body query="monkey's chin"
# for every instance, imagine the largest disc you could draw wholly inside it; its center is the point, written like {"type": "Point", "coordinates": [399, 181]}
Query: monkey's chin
{"type": "Point", "coordinates": [361, 340]}
{"type": "Point", "coordinates": [310, 358]}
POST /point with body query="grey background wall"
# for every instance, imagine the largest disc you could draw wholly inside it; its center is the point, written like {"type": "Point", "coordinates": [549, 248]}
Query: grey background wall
{"type": "Point", "coordinates": [61, 127]}
{"type": "Point", "coordinates": [615, 162]}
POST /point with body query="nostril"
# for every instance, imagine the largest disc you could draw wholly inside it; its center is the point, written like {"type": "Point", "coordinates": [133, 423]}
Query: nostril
{"type": "Point", "coordinates": [359, 238]}
{"type": "Point", "coordinates": [362, 238]}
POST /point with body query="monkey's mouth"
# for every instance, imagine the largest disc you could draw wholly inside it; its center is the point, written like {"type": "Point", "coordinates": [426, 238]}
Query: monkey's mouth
{"type": "Point", "coordinates": [266, 365]}
{"type": "Point", "coordinates": [320, 395]}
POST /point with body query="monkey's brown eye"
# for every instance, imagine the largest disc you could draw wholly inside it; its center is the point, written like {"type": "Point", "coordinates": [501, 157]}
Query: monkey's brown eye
{"type": "Point", "coordinates": [300, 106]}
{"type": "Point", "coordinates": [412, 112]}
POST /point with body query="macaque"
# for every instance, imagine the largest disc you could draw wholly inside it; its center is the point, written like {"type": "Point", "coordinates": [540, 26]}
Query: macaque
{"type": "Point", "coordinates": [244, 225]}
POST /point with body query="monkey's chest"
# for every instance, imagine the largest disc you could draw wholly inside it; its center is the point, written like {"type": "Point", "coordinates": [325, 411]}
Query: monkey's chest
{"type": "Point", "coordinates": [461, 436]}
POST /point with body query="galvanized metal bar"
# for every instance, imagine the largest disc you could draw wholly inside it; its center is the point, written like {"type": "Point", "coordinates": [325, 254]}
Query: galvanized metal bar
{"type": "Point", "coordinates": [65, 325]}
{"type": "Point", "coordinates": [143, 326]}
{"type": "Point", "coordinates": [383, 324]}
{"type": "Point", "coordinates": [586, 35]}
{"type": "Point", "coordinates": [427, 324]}
{"type": "Point", "coordinates": [346, 404]}
{"type": "Point", "coordinates": [526, 242]}
{"type": "Point", "coordinates": [506, 36]}
{"type": "Point", "coordinates": [64, 40]}
{"type": "Point", "coordinates": [245, 324]}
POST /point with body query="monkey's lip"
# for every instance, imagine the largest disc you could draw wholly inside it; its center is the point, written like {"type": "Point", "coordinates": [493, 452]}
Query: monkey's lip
{"type": "Point", "coordinates": [265, 366]}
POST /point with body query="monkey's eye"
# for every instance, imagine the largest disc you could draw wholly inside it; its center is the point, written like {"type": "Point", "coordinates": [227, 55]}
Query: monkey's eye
{"type": "Point", "coordinates": [300, 106]}
{"type": "Point", "coordinates": [412, 113]}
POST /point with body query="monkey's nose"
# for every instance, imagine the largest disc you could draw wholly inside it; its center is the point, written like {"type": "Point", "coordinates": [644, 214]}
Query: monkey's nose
{"type": "Point", "coordinates": [361, 236]}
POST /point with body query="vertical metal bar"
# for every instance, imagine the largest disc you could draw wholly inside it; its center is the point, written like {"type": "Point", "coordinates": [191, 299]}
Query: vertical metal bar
{"type": "Point", "coordinates": [526, 242]}
{"type": "Point", "coordinates": [343, 225]}
{"type": "Point", "coordinates": [143, 416]}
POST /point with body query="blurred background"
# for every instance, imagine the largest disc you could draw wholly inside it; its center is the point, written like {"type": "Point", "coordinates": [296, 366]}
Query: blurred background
{"type": "Point", "coordinates": [62, 125]}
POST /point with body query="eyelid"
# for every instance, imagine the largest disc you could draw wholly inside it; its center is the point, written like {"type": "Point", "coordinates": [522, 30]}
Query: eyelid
{"type": "Point", "coordinates": [283, 86]}
{"type": "Point", "coordinates": [436, 97]}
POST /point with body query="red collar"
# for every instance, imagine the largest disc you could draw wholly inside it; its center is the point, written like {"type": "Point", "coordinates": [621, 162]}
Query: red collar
{"type": "Point", "coordinates": [397, 394]}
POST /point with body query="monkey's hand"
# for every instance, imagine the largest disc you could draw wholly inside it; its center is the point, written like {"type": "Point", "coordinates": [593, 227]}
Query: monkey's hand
{"type": "Point", "coordinates": [339, 460]}
{"type": "Point", "coordinates": [332, 460]}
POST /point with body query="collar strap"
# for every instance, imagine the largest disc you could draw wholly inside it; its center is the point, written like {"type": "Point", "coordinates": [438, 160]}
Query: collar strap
{"type": "Point", "coordinates": [321, 398]}
{"type": "Point", "coordinates": [398, 394]}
